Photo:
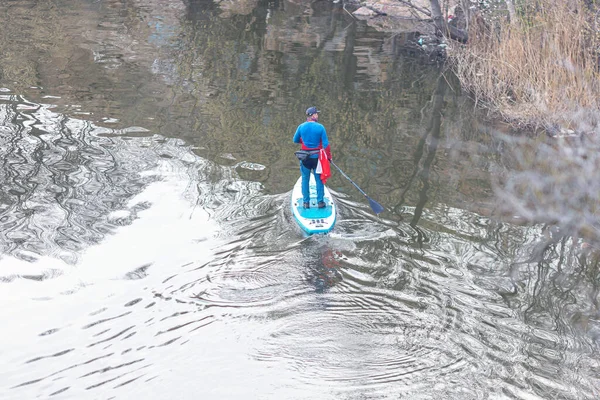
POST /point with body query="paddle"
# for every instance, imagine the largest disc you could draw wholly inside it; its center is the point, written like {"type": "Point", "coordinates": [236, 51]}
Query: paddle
{"type": "Point", "coordinates": [375, 206]}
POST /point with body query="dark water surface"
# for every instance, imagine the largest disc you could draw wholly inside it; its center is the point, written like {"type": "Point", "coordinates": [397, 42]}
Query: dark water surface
{"type": "Point", "coordinates": [146, 245]}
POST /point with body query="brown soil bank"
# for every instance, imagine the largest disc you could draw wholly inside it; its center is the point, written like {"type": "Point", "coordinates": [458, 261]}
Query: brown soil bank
{"type": "Point", "coordinates": [534, 62]}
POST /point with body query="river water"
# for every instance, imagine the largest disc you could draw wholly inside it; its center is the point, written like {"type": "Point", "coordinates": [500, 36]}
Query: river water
{"type": "Point", "coordinates": [147, 248]}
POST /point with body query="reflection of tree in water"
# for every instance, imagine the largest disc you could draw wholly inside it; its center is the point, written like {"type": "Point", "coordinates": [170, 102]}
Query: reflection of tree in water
{"type": "Point", "coordinates": [424, 155]}
{"type": "Point", "coordinates": [251, 78]}
{"type": "Point", "coordinates": [555, 285]}
{"type": "Point", "coordinates": [251, 91]}
{"type": "Point", "coordinates": [60, 181]}
{"type": "Point", "coordinates": [33, 23]}
{"type": "Point", "coordinates": [97, 57]}
{"type": "Point", "coordinates": [239, 85]}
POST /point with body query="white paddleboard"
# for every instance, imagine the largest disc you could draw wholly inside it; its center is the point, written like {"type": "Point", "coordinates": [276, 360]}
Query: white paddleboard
{"type": "Point", "coordinates": [313, 220]}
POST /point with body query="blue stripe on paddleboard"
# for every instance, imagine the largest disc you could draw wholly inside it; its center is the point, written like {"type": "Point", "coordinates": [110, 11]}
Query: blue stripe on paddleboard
{"type": "Point", "coordinates": [313, 230]}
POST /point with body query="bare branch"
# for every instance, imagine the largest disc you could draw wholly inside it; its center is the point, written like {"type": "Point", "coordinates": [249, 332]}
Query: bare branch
{"type": "Point", "coordinates": [420, 9]}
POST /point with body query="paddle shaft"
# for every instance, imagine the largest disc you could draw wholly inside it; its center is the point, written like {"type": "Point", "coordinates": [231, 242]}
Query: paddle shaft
{"type": "Point", "coordinates": [351, 181]}
{"type": "Point", "coordinates": [375, 206]}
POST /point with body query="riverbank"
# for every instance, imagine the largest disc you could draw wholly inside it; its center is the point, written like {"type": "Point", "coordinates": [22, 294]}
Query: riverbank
{"type": "Point", "coordinates": [538, 71]}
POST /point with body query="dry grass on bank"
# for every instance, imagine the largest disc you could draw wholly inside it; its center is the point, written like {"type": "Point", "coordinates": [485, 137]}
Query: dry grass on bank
{"type": "Point", "coordinates": [541, 70]}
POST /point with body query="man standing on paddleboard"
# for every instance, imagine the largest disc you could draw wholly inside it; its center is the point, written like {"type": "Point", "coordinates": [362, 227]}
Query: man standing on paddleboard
{"type": "Point", "coordinates": [313, 137]}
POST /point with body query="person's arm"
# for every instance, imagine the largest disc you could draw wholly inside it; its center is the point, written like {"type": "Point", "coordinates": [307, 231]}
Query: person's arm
{"type": "Point", "coordinates": [297, 136]}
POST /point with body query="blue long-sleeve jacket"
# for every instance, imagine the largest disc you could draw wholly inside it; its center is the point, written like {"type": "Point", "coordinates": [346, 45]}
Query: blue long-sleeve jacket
{"type": "Point", "coordinates": [312, 136]}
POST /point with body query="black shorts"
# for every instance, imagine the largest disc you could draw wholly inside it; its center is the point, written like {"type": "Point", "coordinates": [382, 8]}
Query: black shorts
{"type": "Point", "coordinates": [311, 163]}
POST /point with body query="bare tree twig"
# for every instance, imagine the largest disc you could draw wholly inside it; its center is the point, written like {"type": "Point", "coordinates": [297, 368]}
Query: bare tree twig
{"type": "Point", "coordinates": [349, 13]}
{"type": "Point", "coordinates": [420, 9]}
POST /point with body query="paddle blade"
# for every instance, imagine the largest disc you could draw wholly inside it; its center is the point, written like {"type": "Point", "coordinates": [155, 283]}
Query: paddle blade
{"type": "Point", "coordinates": [375, 206]}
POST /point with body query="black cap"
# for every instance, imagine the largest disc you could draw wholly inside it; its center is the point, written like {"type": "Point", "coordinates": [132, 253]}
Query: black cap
{"type": "Point", "coordinates": [312, 110]}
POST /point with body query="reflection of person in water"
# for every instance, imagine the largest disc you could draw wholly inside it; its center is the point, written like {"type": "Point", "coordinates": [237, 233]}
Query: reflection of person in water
{"type": "Point", "coordinates": [326, 269]}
